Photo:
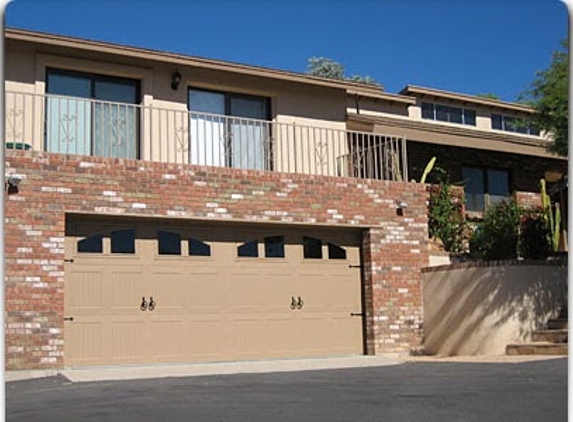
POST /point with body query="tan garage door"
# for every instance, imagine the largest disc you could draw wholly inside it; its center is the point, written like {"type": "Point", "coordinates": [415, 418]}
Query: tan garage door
{"type": "Point", "coordinates": [149, 292]}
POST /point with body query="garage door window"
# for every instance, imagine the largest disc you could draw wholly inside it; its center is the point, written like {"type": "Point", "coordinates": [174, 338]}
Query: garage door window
{"type": "Point", "coordinates": [198, 248]}
{"type": "Point", "coordinates": [169, 243]}
{"type": "Point", "coordinates": [275, 247]}
{"type": "Point", "coordinates": [123, 241]}
{"type": "Point", "coordinates": [336, 252]}
{"type": "Point", "coordinates": [92, 244]}
{"type": "Point", "coordinates": [249, 249]}
{"type": "Point", "coordinates": [312, 248]}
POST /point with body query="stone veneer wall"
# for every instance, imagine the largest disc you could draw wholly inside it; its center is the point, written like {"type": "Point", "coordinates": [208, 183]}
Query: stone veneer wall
{"type": "Point", "coordinates": [395, 246]}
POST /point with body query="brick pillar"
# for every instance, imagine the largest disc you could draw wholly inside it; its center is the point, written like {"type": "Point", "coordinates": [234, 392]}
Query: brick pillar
{"type": "Point", "coordinates": [393, 257]}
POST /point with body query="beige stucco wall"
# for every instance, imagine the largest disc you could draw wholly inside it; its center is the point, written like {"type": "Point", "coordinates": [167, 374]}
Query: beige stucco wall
{"type": "Point", "coordinates": [483, 114]}
{"type": "Point", "coordinates": [164, 124]}
{"type": "Point", "coordinates": [478, 311]}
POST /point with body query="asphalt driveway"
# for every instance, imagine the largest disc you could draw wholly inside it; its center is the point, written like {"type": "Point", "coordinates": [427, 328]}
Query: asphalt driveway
{"type": "Point", "coordinates": [414, 391]}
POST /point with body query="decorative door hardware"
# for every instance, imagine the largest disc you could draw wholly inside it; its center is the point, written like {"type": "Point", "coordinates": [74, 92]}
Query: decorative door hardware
{"type": "Point", "coordinates": [356, 314]}
{"type": "Point", "coordinates": [69, 260]}
{"type": "Point", "coordinates": [355, 266]}
{"type": "Point", "coordinates": [293, 303]}
{"type": "Point", "coordinates": [296, 303]}
{"type": "Point", "coordinates": [69, 318]}
{"type": "Point", "coordinates": [300, 303]}
{"type": "Point", "coordinates": [151, 303]}
{"type": "Point", "coordinates": [143, 305]}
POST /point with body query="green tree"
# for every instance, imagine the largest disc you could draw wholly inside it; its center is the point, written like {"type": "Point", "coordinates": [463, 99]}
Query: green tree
{"type": "Point", "coordinates": [548, 95]}
{"type": "Point", "coordinates": [328, 68]}
{"type": "Point", "coordinates": [325, 67]}
{"type": "Point", "coordinates": [488, 95]}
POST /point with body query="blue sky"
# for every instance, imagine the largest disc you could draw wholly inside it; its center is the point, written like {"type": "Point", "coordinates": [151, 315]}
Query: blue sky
{"type": "Point", "coordinates": [464, 46]}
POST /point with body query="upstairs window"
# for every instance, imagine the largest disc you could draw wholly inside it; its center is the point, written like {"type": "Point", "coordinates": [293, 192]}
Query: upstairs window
{"type": "Point", "coordinates": [484, 187]}
{"type": "Point", "coordinates": [512, 124]}
{"type": "Point", "coordinates": [448, 114]}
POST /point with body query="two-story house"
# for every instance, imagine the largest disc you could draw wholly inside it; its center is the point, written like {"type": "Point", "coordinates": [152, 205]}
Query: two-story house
{"type": "Point", "coordinates": [180, 209]}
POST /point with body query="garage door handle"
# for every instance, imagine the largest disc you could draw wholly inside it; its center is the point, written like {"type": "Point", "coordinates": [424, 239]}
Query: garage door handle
{"type": "Point", "coordinates": [143, 305]}
{"type": "Point", "coordinates": [293, 303]}
{"type": "Point", "coordinates": [356, 314]}
{"type": "Point", "coordinates": [300, 303]}
{"type": "Point", "coordinates": [151, 304]}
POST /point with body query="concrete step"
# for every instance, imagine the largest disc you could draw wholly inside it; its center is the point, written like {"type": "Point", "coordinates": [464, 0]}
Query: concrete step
{"type": "Point", "coordinates": [537, 348]}
{"type": "Point", "coordinates": [557, 324]}
{"type": "Point", "coordinates": [550, 336]}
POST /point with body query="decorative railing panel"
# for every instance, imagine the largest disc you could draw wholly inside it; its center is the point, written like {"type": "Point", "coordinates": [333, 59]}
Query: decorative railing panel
{"type": "Point", "coordinates": [70, 125]}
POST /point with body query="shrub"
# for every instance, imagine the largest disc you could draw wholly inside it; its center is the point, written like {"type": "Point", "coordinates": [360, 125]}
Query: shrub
{"type": "Point", "coordinates": [445, 219]}
{"type": "Point", "coordinates": [497, 236]}
{"type": "Point", "coordinates": [535, 235]}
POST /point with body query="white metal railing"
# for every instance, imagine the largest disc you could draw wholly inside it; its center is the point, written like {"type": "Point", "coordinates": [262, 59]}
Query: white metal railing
{"type": "Point", "coordinates": [70, 125]}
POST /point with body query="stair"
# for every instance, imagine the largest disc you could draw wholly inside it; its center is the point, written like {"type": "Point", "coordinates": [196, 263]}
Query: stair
{"type": "Point", "coordinates": [551, 341]}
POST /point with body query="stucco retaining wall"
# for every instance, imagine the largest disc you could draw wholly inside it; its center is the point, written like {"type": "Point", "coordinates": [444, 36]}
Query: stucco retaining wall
{"type": "Point", "coordinates": [479, 308]}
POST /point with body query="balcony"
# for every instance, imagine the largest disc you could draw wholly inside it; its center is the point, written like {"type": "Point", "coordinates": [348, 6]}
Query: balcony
{"type": "Point", "coordinates": [71, 125]}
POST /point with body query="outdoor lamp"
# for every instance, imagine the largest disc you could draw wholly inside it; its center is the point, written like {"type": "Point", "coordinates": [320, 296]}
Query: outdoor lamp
{"type": "Point", "coordinates": [175, 80]}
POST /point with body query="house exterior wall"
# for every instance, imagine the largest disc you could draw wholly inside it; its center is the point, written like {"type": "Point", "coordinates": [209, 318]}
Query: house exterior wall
{"type": "Point", "coordinates": [478, 309]}
{"type": "Point", "coordinates": [483, 113]}
{"type": "Point", "coordinates": [164, 118]}
{"type": "Point", "coordinates": [395, 246]}
{"type": "Point", "coordinates": [525, 171]}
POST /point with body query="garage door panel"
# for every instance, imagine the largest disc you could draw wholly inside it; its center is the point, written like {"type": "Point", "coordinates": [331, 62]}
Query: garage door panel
{"type": "Point", "coordinates": [165, 343]}
{"type": "Point", "coordinates": [128, 288]}
{"type": "Point", "coordinates": [166, 289]}
{"type": "Point", "coordinates": [206, 292]}
{"type": "Point", "coordinates": [86, 291]}
{"type": "Point", "coordinates": [84, 342]}
{"type": "Point", "coordinates": [126, 340]}
{"type": "Point", "coordinates": [207, 339]}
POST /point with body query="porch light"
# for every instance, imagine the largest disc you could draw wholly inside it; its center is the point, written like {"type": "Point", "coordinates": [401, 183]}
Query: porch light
{"type": "Point", "coordinates": [11, 182]}
{"type": "Point", "coordinates": [401, 206]}
{"type": "Point", "coordinates": [175, 80]}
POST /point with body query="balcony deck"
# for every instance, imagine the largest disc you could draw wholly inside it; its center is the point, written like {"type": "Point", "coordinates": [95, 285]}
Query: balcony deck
{"type": "Point", "coordinates": [71, 125]}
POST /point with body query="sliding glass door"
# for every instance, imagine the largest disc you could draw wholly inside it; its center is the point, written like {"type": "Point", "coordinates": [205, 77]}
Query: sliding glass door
{"type": "Point", "coordinates": [229, 130]}
{"type": "Point", "coordinates": [91, 115]}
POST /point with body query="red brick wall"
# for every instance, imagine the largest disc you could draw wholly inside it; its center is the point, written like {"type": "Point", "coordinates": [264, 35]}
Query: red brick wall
{"type": "Point", "coordinates": [395, 246]}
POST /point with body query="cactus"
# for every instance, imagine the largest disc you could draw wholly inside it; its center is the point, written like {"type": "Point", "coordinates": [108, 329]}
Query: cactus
{"type": "Point", "coordinates": [553, 222]}
{"type": "Point", "coordinates": [428, 169]}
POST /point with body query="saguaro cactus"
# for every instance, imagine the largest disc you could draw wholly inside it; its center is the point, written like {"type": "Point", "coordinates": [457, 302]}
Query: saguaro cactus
{"type": "Point", "coordinates": [552, 221]}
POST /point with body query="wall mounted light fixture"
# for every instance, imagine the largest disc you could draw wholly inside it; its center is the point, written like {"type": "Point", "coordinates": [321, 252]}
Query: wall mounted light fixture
{"type": "Point", "coordinates": [401, 206]}
{"type": "Point", "coordinates": [12, 181]}
{"type": "Point", "coordinates": [175, 80]}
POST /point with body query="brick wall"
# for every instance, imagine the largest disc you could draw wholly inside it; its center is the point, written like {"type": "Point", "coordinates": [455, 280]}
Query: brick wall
{"type": "Point", "coordinates": [395, 246]}
{"type": "Point", "coordinates": [525, 171]}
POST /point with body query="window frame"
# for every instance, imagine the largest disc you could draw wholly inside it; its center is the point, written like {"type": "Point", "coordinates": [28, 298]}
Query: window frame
{"type": "Point", "coordinates": [93, 79]}
{"type": "Point", "coordinates": [434, 112]}
{"type": "Point", "coordinates": [530, 128]}
{"type": "Point", "coordinates": [485, 177]}
{"type": "Point", "coordinates": [228, 95]}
